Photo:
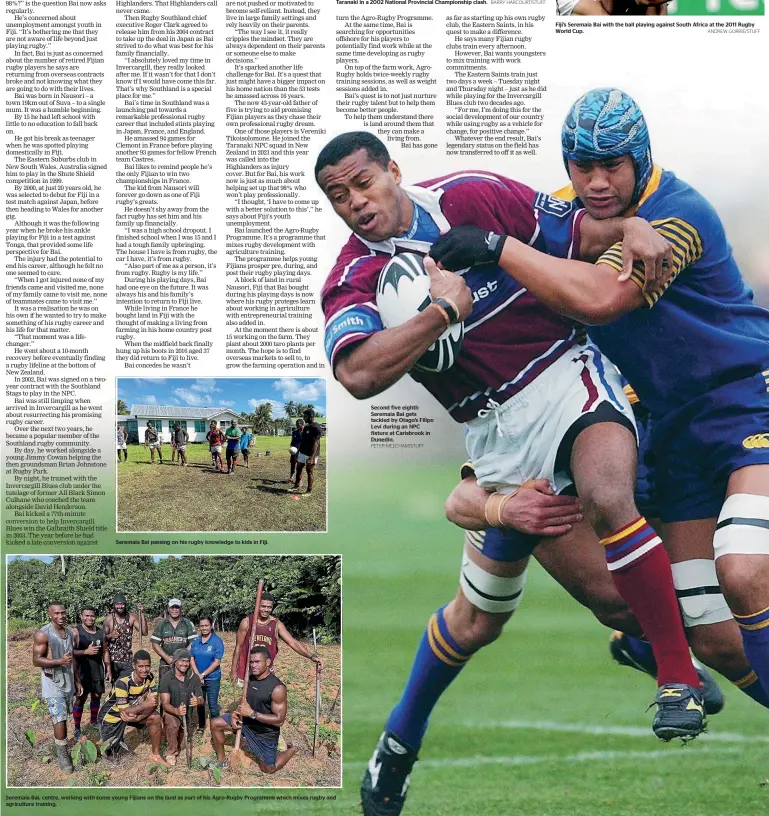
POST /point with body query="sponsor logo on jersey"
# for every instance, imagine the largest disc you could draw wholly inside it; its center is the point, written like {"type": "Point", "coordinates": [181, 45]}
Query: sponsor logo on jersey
{"type": "Point", "coordinates": [485, 291]}
{"type": "Point", "coordinates": [756, 441]}
{"type": "Point", "coordinates": [554, 206]}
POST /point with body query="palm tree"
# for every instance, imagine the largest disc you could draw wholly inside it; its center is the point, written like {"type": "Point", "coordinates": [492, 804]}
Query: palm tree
{"type": "Point", "coordinates": [290, 409]}
{"type": "Point", "coordinates": [122, 408]}
{"type": "Point", "coordinates": [263, 418]}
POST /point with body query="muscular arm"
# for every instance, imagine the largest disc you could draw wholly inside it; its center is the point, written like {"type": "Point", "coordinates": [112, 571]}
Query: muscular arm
{"type": "Point", "coordinates": [39, 652]}
{"type": "Point", "coordinates": [589, 293]}
{"type": "Point", "coordinates": [239, 642]}
{"type": "Point", "coordinates": [373, 365]}
{"type": "Point", "coordinates": [279, 705]}
{"type": "Point", "coordinates": [140, 710]}
{"type": "Point", "coordinates": [292, 643]}
{"type": "Point", "coordinates": [535, 511]}
{"type": "Point", "coordinates": [140, 623]}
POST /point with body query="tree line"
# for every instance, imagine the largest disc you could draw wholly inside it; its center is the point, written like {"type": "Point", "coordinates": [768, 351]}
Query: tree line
{"type": "Point", "coordinates": [307, 588]}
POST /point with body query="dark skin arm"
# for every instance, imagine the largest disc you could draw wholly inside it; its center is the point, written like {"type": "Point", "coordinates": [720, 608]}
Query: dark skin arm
{"type": "Point", "coordinates": [589, 293]}
{"type": "Point", "coordinates": [278, 716]}
{"type": "Point", "coordinates": [41, 660]}
{"type": "Point", "coordinates": [140, 710]}
{"type": "Point", "coordinates": [158, 649]}
{"type": "Point", "coordinates": [298, 647]}
{"type": "Point", "coordinates": [240, 641]}
{"type": "Point", "coordinates": [373, 365]}
{"type": "Point", "coordinates": [40, 652]}
{"type": "Point", "coordinates": [135, 622]}
{"type": "Point", "coordinates": [91, 650]}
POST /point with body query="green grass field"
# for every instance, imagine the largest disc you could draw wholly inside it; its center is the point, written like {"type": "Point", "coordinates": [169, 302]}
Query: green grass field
{"type": "Point", "coordinates": [541, 723]}
{"type": "Point", "coordinates": [171, 498]}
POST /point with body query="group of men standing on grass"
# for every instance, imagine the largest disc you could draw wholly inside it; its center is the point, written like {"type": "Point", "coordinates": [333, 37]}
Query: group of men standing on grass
{"type": "Point", "coordinates": [76, 662]}
{"type": "Point", "coordinates": [236, 442]}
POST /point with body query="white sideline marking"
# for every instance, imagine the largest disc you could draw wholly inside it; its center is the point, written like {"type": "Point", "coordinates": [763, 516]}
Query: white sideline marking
{"type": "Point", "coordinates": [583, 756]}
{"type": "Point", "coordinates": [603, 730]}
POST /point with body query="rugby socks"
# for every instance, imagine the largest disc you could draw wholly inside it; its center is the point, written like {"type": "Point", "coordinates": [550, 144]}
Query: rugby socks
{"type": "Point", "coordinates": [755, 641]}
{"type": "Point", "coordinates": [77, 714]}
{"type": "Point", "coordinates": [95, 705]}
{"type": "Point", "coordinates": [439, 659]}
{"type": "Point", "coordinates": [750, 685]}
{"type": "Point", "coordinates": [641, 571]}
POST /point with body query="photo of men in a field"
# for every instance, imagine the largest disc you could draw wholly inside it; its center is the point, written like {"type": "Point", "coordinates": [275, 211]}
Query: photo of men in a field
{"type": "Point", "coordinates": [171, 717]}
{"type": "Point", "coordinates": [179, 436]}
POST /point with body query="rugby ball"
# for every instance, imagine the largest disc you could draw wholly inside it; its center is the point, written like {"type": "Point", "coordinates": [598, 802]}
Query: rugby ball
{"type": "Point", "coordinates": [402, 292]}
{"type": "Point", "coordinates": [293, 451]}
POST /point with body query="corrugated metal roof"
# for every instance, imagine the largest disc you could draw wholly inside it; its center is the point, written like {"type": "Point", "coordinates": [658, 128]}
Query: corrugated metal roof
{"type": "Point", "coordinates": [177, 412]}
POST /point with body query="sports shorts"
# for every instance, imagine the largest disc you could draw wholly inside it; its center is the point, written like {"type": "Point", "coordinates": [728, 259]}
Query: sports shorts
{"type": "Point", "coordinates": [216, 449]}
{"type": "Point", "coordinates": [155, 444]}
{"type": "Point", "coordinates": [697, 447]}
{"type": "Point", "coordinates": [260, 746]}
{"type": "Point", "coordinates": [525, 438]}
{"type": "Point", "coordinates": [60, 708]}
{"type": "Point", "coordinates": [181, 448]}
{"type": "Point", "coordinates": [122, 447]}
{"type": "Point", "coordinates": [304, 458]}
{"type": "Point", "coordinates": [645, 487]}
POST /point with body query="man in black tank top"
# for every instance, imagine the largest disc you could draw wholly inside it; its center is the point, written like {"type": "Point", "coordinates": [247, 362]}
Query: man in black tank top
{"type": "Point", "coordinates": [89, 645]}
{"type": "Point", "coordinates": [260, 716]}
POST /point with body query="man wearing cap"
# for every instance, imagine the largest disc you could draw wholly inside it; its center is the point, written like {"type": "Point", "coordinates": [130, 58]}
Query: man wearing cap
{"type": "Point", "coordinates": [260, 716]}
{"type": "Point", "coordinates": [309, 448]}
{"type": "Point", "coordinates": [179, 690]}
{"type": "Point", "coordinates": [268, 631]}
{"type": "Point", "coordinates": [171, 633]}
{"type": "Point", "coordinates": [119, 626]}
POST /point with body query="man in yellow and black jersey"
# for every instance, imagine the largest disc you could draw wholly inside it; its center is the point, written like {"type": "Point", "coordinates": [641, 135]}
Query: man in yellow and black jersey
{"type": "Point", "coordinates": [133, 701]}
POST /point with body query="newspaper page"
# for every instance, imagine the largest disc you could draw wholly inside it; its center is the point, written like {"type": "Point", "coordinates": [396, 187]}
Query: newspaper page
{"type": "Point", "coordinates": [423, 339]}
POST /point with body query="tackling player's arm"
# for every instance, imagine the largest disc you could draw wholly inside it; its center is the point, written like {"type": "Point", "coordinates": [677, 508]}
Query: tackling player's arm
{"type": "Point", "coordinates": [533, 509]}
{"type": "Point", "coordinates": [590, 293]}
{"type": "Point", "coordinates": [374, 364]}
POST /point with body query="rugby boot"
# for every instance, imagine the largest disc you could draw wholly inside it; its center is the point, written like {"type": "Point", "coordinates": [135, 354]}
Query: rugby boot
{"type": "Point", "coordinates": [386, 781]}
{"type": "Point", "coordinates": [680, 712]}
{"type": "Point", "coordinates": [65, 760]}
{"type": "Point", "coordinates": [623, 653]}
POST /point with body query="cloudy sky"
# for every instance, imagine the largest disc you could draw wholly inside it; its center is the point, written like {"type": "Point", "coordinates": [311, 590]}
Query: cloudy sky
{"type": "Point", "coordinates": [238, 394]}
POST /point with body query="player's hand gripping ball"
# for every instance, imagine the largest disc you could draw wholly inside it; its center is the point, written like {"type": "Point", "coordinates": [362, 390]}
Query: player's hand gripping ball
{"type": "Point", "coordinates": [403, 292]}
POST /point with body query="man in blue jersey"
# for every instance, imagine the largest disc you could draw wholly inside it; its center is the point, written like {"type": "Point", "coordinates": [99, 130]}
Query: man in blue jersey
{"type": "Point", "coordinates": [685, 332]}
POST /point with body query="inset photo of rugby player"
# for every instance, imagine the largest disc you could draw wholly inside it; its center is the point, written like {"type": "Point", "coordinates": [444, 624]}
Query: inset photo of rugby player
{"type": "Point", "coordinates": [654, 8]}
{"type": "Point", "coordinates": [174, 671]}
{"type": "Point", "coordinates": [217, 455]}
